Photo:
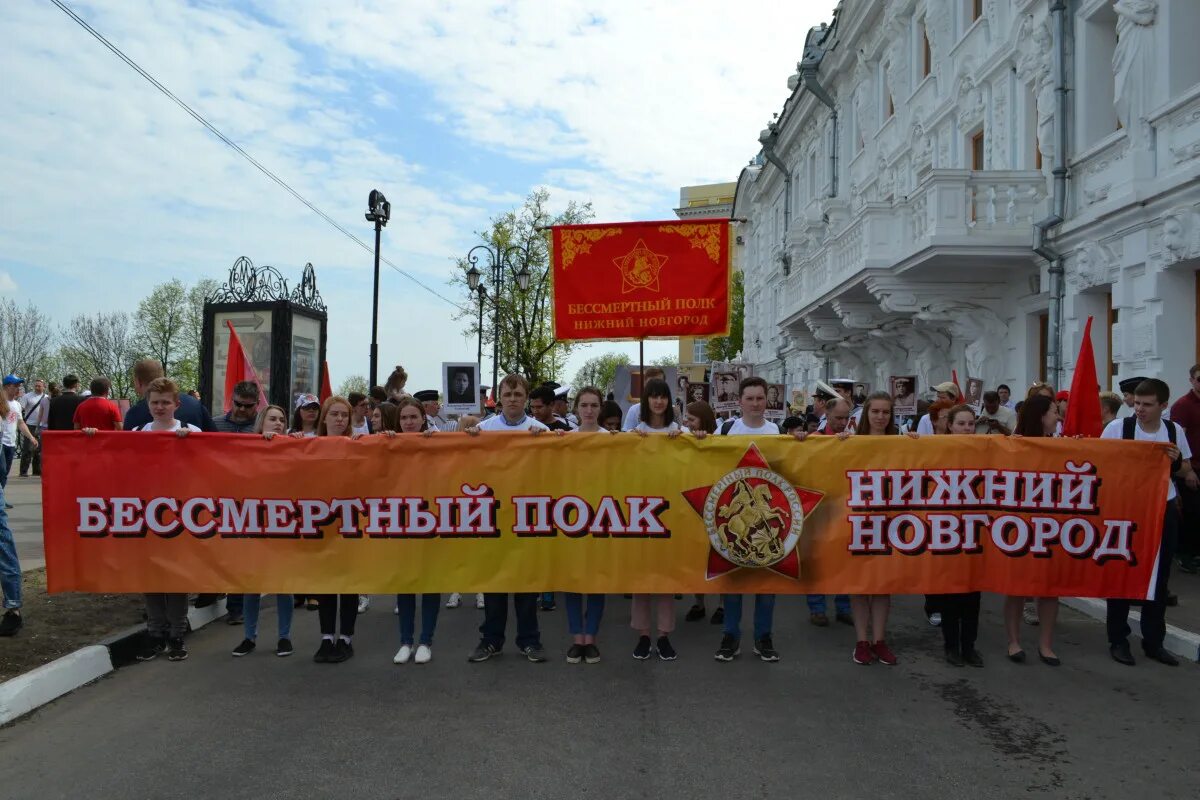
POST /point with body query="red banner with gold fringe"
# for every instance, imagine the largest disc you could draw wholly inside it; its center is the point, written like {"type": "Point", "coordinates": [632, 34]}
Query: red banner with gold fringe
{"type": "Point", "coordinates": [641, 280]}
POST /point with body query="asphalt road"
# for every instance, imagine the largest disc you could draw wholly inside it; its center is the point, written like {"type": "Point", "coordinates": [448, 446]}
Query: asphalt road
{"type": "Point", "coordinates": [812, 725]}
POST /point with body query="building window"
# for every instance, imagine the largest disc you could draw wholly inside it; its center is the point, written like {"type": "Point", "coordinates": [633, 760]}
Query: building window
{"type": "Point", "coordinates": [1097, 42]}
{"type": "Point", "coordinates": [699, 351]}
{"type": "Point", "coordinates": [926, 54]}
{"type": "Point", "coordinates": [812, 175]}
{"type": "Point", "coordinates": [976, 9]}
{"type": "Point", "coordinates": [977, 150]}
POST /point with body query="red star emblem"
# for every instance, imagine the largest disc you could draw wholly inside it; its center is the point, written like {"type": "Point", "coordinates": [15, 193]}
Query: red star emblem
{"type": "Point", "coordinates": [753, 489]}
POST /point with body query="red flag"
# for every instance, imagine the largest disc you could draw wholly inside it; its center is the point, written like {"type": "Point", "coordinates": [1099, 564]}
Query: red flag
{"type": "Point", "coordinates": [1083, 409]}
{"type": "Point", "coordinates": [238, 368]}
{"type": "Point", "coordinates": [326, 389]}
{"type": "Point", "coordinates": [954, 380]}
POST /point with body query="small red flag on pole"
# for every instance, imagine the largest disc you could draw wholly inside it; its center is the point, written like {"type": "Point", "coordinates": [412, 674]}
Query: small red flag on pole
{"type": "Point", "coordinates": [238, 368]}
{"type": "Point", "coordinates": [1083, 409]}
{"type": "Point", "coordinates": [954, 380]}
{"type": "Point", "coordinates": [326, 389]}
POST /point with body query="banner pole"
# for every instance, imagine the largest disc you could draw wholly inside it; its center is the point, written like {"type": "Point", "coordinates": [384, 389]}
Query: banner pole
{"type": "Point", "coordinates": [642, 360]}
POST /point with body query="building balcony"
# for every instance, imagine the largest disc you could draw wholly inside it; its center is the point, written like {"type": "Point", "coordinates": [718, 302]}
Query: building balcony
{"type": "Point", "coordinates": [951, 220]}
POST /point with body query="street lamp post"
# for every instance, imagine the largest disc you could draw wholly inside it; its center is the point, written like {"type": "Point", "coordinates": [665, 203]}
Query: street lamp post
{"type": "Point", "coordinates": [379, 211]}
{"type": "Point", "coordinates": [481, 291]}
{"type": "Point", "coordinates": [498, 258]}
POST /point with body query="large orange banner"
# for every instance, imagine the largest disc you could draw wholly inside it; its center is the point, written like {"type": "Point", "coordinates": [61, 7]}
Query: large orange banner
{"type": "Point", "coordinates": [506, 512]}
{"type": "Point", "coordinates": [641, 280]}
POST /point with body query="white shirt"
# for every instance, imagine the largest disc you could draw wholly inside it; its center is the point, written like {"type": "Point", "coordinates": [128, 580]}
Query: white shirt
{"type": "Point", "coordinates": [632, 417]}
{"type": "Point", "coordinates": [925, 426]}
{"type": "Point", "coordinates": [740, 428]}
{"type": "Point", "coordinates": [674, 426]}
{"type": "Point", "coordinates": [499, 423]}
{"type": "Point", "coordinates": [8, 424]}
{"type": "Point", "coordinates": [1116, 429]}
{"type": "Point", "coordinates": [1005, 416]}
{"type": "Point", "coordinates": [364, 429]}
{"type": "Point", "coordinates": [41, 405]}
{"type": "Point", "coordinates": [177, 425]}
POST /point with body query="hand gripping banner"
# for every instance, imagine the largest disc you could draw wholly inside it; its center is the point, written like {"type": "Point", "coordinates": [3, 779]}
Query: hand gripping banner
{"type": "Point", "coordinates": [641, 280]}
{"type": "Point", "coordinates": [602, 513]}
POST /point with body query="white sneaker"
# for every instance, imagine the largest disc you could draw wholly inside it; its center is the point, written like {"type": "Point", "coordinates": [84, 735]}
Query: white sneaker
{"type": "Point", "coordinates": [403, 654]}
{"type": "Point", "coordinates": [364, 603]}
{"type": "Point", "coordinates": [479, 601]}
{"type": "Point", "coordinates": [454, 601]}
{"type": "Point", "coordinates": [423, 654]}
{"type": "Point", "coordinates": [935, 619]}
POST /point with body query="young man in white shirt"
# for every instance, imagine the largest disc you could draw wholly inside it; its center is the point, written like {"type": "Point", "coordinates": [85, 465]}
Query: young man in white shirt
{"type": "Point", "coordinates": [1147, 425]}
{"type": "Point", "coordinates": [35, 409]}
{"type": "Point", "coordinates": [752, 399]}
{"type": "Point", "coordinates": [514, 390]}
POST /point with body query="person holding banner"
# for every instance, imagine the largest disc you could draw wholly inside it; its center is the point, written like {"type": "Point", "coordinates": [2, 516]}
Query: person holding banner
{"type": "Point", "coordinates": [514, 391]}
{"type": "Point", "coordinates": [335, 648]}
{"type": "Point", "coordinates": [583, 624]}
{"type": "Point", "coordinates": [960, 612]}
{"type": "Point", "coordinates": [871, 612]}
{"type": "Point", "coordinates": [1038, 417]}
{"type": "Point", "coordinates": [657, 416]}
{"type": "Point", "coordinates": [271, 422]}
{"type": "Point", "coordinates": [308, 412]}
{"type": "Point", "coordinates": [752, 400]}
{"type": "Point", "coordinates": [1150, 400]}
{"type": "Point", "coordinates": [700, 419]}
{"type": "Point", "coordinates": [413, 418]}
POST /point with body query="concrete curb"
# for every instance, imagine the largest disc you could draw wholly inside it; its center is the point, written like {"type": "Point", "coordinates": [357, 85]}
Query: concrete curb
{"type": "Point", "coordinates": [1184, 644]}
{"type": "Point", "coordinates": [37, 687]}
{"type": "Point", "coordinates": [24, 693]}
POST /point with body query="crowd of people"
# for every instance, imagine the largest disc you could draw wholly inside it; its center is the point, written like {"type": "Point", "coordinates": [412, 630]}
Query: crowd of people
{"type": "Point", "coordinates": [1142, 413]}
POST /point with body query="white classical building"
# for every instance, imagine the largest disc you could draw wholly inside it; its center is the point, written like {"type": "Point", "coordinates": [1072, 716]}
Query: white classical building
{"type": "Point", "coordinates": [959, 184]}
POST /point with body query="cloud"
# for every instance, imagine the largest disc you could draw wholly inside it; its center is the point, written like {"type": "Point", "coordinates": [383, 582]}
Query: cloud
{"type": "Point", "coordinates": [456, 110]}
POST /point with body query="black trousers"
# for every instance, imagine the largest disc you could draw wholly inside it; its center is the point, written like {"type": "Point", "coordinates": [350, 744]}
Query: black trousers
{"type": "Point", "coordinates": [960, 620]}
{"type": "Point", "coordinates": [1189, 526]}
{"type": "Point", "coordinates": [1154, 612]}
{"type": "Point", "coordinates": [329, 612]}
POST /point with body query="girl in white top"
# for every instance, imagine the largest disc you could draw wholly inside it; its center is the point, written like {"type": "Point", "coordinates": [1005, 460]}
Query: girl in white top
{"type": "Point", "coordinates": [657, 416]}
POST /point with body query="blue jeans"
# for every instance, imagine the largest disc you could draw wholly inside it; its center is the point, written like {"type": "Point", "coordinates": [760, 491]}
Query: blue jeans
{"type": "Point", "coordinates": [816, 603]}
{"type": "Point", "coordinates": [495, 619]}
{"type": "Point", "coordinates": [764, 615]}
{"type": "Point", "coordinates": [10, 565]}
{"type": "Point", "coordinates": [407, 603]}
{"type": "Point", "coordinates": [576, 622]}
{"type": "Point", "coordinates": [251, 603]}
{"type": "Point", "coordinates": [7, 454]}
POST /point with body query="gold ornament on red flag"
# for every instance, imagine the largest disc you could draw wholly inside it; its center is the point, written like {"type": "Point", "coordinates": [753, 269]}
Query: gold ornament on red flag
{"type": "Point", "coordinates": [641, 280]}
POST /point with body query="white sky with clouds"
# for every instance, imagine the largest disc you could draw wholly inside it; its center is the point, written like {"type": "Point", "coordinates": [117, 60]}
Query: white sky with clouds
{"type": "Point", "coordinates": [455, 110]}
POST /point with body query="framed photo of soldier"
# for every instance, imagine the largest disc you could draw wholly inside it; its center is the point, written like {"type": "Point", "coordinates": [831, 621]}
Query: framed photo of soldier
{"type": "Point", "coordinates": [903, 389]}
{"type": "Point", "coordinates": [460, 387]}
{"type": "Point", "coordinates": [776, 401]}
{"type": "Point", "coordinates": [974, 393]}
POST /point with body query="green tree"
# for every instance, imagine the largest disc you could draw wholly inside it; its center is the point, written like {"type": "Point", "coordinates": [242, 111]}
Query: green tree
{"type": "Point", "coordinates": [25, 338]}
{"type": "Point", "coordinates": [353, 383]}
{"type": "Point", "coordinates": [101, 345]}
{"type": "Point", "coordinates": [726, 348]}
{"type": "Point", "coordinates": [665, 361]}
{"type": "Point", "coordinates": [600, 371]}
{"type": "Point", "coordinates": [160, 329]}
{"type": "Point", "coordinates": [526, 335]}
{"type": "Point", "coordinates": [187, 364]}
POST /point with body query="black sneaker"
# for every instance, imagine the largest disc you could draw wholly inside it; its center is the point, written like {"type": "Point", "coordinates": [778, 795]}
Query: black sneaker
{"type": "Point", "coordinates": [244, 649]}
{"type": "Point", "coordinates": [152, 647]}
{"type": "Point", "coordinates": [730, 649]}
{"type": "Point", "coordinates": [482, 653]}
{"type": "Point", "coordinates": [972, 658]}
{"type": "Point", "coordinates": [342, 651]}
{"type": "Point", "coordinates": [325, 652]}
{"type": "Point", "coordinates": [764, 648]}
{"type": "Point", "coordinates": [204, 600]}
{"type": "Point", "coordinates": [11, 623]}
{"type": "Point", "coordinates": [642, 650]}
{"type": "Point", "coordinates": [591, 654]}
{"type": "Point", "coordinates": [666, 651]}
{"type": "Point", "coordinates": [575, 654]}
{"type": "Point", "coordinates": [535, 653]}
{"type": "Point", "coordinates": [954, 659]}
{"type": "Point", "coordinates": [283, 648]}
{"type": "Point", "coordinates": [175, 650]}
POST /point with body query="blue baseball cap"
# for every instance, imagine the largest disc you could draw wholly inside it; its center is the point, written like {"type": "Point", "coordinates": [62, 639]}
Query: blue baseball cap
{"type": "Point", "coordinates": [12, 380]}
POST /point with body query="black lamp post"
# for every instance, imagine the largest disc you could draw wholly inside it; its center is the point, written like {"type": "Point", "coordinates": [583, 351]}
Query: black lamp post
{"type": "Point", "coordinates": [498, 258]}
{"type": "Point", "coordinates": [379, 211]}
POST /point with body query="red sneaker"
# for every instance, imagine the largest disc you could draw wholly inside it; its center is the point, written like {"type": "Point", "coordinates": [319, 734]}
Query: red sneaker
{"type": "Point", "coordinates": [863, 654]}
{"type": "Point", "coordinates": [884, 653]}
